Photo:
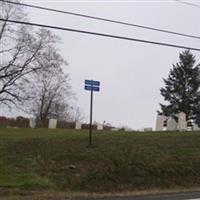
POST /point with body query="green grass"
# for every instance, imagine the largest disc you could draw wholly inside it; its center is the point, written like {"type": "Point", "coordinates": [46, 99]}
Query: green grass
{"type": "Point", "coordinates": [40, 159]}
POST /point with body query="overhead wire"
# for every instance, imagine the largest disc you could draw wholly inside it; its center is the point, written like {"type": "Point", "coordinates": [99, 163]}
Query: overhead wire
{"type": "Point", "coordinates": [100, 34]}
{"type": "Point", "coordinates": [188, 3]}
{"type": "Point", "coordinates": [104, 19]}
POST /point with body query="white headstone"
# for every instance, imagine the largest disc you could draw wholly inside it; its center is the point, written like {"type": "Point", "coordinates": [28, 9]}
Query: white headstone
{"type": "Point", "coordinates": [195, 128]}
{"type": "Point", "coordinates": [160, 122]}
{"type": "Point", "coordinates": [52, 123]}
{"type": "Point", "coordinates": [182, 123]}
{"type": "Point", "coordinates": [32, 122]}
{"type": "Point", "coordinates": [128, 129]}
{"type": "Point", "coordinates": [99, 127]}
{"type": "Point", "coordinates": [171, 124]}
{"type": "Point", "coordinates": [148, 129]}
{"type": "Point", "coordinates": [114, 129]}
{"type": "Point", "coordinates": [78, 126]}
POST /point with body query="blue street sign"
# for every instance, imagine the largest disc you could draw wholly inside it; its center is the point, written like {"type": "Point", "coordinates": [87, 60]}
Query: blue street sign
{"type": "Point", "coordinates": [90, 82]}
{"type": "Point", "coordinates": [92, 88]}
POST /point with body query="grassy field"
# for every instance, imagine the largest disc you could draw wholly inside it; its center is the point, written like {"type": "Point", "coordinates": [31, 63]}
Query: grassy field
{"type": "Point", "coordinates": [59, 160]}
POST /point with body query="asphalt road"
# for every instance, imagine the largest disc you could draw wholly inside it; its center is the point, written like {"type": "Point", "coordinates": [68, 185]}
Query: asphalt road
{"type": "Point", "coordinates": [174, 196]}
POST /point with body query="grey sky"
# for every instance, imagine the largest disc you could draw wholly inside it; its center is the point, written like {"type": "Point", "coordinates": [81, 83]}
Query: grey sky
{"type": "Point", "coordinates": [130, 73]}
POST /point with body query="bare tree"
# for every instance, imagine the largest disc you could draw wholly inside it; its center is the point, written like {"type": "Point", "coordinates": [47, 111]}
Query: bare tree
{"type": "Point", "coordinates": [77, 114]}
{"type": "Point", "coordinates": [31, 74]}
{"type": "Point", "coordinates": [21, 49]}
{"type": "Point", "coordinates": [49, 90]}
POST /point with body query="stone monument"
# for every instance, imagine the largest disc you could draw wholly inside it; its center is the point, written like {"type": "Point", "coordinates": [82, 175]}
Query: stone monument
{"type": "Point", "coordinates": [78, 126]}
{"type": "Point", "coordinates": [160, 122]}
{"type": "Point", "coordinates": [171, 124]}
{"type": "Point", "coordinates": [148, 129]}
{"type": "Point", "coordinates": [195, 127]}
{"type": "Point", "coordinates": [32, 122]}
{"type": "Point", "coordinates": [52, 123]}
{"type": "Point", "coordinates": [182, 123]}
{"type": "Point", "coordinates": [99, 127]}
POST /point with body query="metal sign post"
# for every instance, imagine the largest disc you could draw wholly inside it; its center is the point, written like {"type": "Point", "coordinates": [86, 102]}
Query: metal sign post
{"type": "Point", "coordinates": [91, 86]}
{"type": "Point", "coordinates": [91, 106]}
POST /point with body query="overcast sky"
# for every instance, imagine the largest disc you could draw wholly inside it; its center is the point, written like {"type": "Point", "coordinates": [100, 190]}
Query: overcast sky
{"type": "Point", "coordinates": [130, 73]}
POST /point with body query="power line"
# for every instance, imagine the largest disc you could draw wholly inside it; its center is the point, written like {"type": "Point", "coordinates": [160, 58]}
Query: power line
{"type": "Point", "coordinates": [188, 3]}
{"type": "Point", "coordinates": [104, 19]}
{"type": "Point", "coordinates": [100, 34]}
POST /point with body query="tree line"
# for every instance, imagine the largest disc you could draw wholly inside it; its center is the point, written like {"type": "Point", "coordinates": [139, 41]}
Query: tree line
{"type": "Point", "coordinates": [31, 70]}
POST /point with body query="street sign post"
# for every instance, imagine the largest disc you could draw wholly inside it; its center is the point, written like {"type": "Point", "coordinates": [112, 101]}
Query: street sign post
{"type": "Point", "coordinates": [91, 86]}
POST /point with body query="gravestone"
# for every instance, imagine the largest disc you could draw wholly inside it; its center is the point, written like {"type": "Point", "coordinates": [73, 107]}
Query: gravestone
{"type": "Point", "coordinates": [32, 122]}
{"type": "Point", "coordinates": [114, 129]}
{"type": "Point", "coordinates": [52, 123]}
{"type": "Point", "coordinates": [148, 129]}
{"type": "Point", "coordinates": [182, 123]}
{"type": "Point", "coordinates": [195, 128]}
{"type": "Point", "coordinates": [171, 124]}
{"type": "Point", "coordinates": [160, 122]}
{"type": "Point", "coordinates": [99, 127]}
{"type": "Point", "coordinates": [78, 126]}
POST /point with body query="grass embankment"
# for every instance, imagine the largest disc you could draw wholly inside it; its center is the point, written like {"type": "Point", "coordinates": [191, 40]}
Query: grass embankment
{"type": "Point", "coordinates": [59, 160]}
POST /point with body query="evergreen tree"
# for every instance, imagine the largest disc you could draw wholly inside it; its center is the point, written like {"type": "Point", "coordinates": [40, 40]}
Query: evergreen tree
{"type": "Point", "coordinates": [182, 88]}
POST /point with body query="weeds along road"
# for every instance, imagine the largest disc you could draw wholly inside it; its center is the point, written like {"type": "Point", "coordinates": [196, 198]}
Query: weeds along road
{"type": "Point", "coordinates": [174, 196]}
{"type": "Point", "coordinates": [58, 196]}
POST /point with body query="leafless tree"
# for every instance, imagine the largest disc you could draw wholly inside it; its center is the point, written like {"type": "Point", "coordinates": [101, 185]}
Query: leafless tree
{"type": "Point", "coordinates": [48, 91]}
{"type": "Point", "coordinates": [21, 50]}
{"type": "Point", "coordinates": [31, 73]}
{"type": "Point", "coordinates": [77, 114]}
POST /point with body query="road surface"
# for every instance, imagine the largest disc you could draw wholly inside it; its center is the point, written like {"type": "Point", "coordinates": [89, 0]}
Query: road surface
{"type": "Point", "coordinates": [174, 196]}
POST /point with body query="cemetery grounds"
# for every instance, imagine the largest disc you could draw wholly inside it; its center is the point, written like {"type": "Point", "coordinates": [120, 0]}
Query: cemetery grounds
{"type": "Point", "coordinates": [43, 162]}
